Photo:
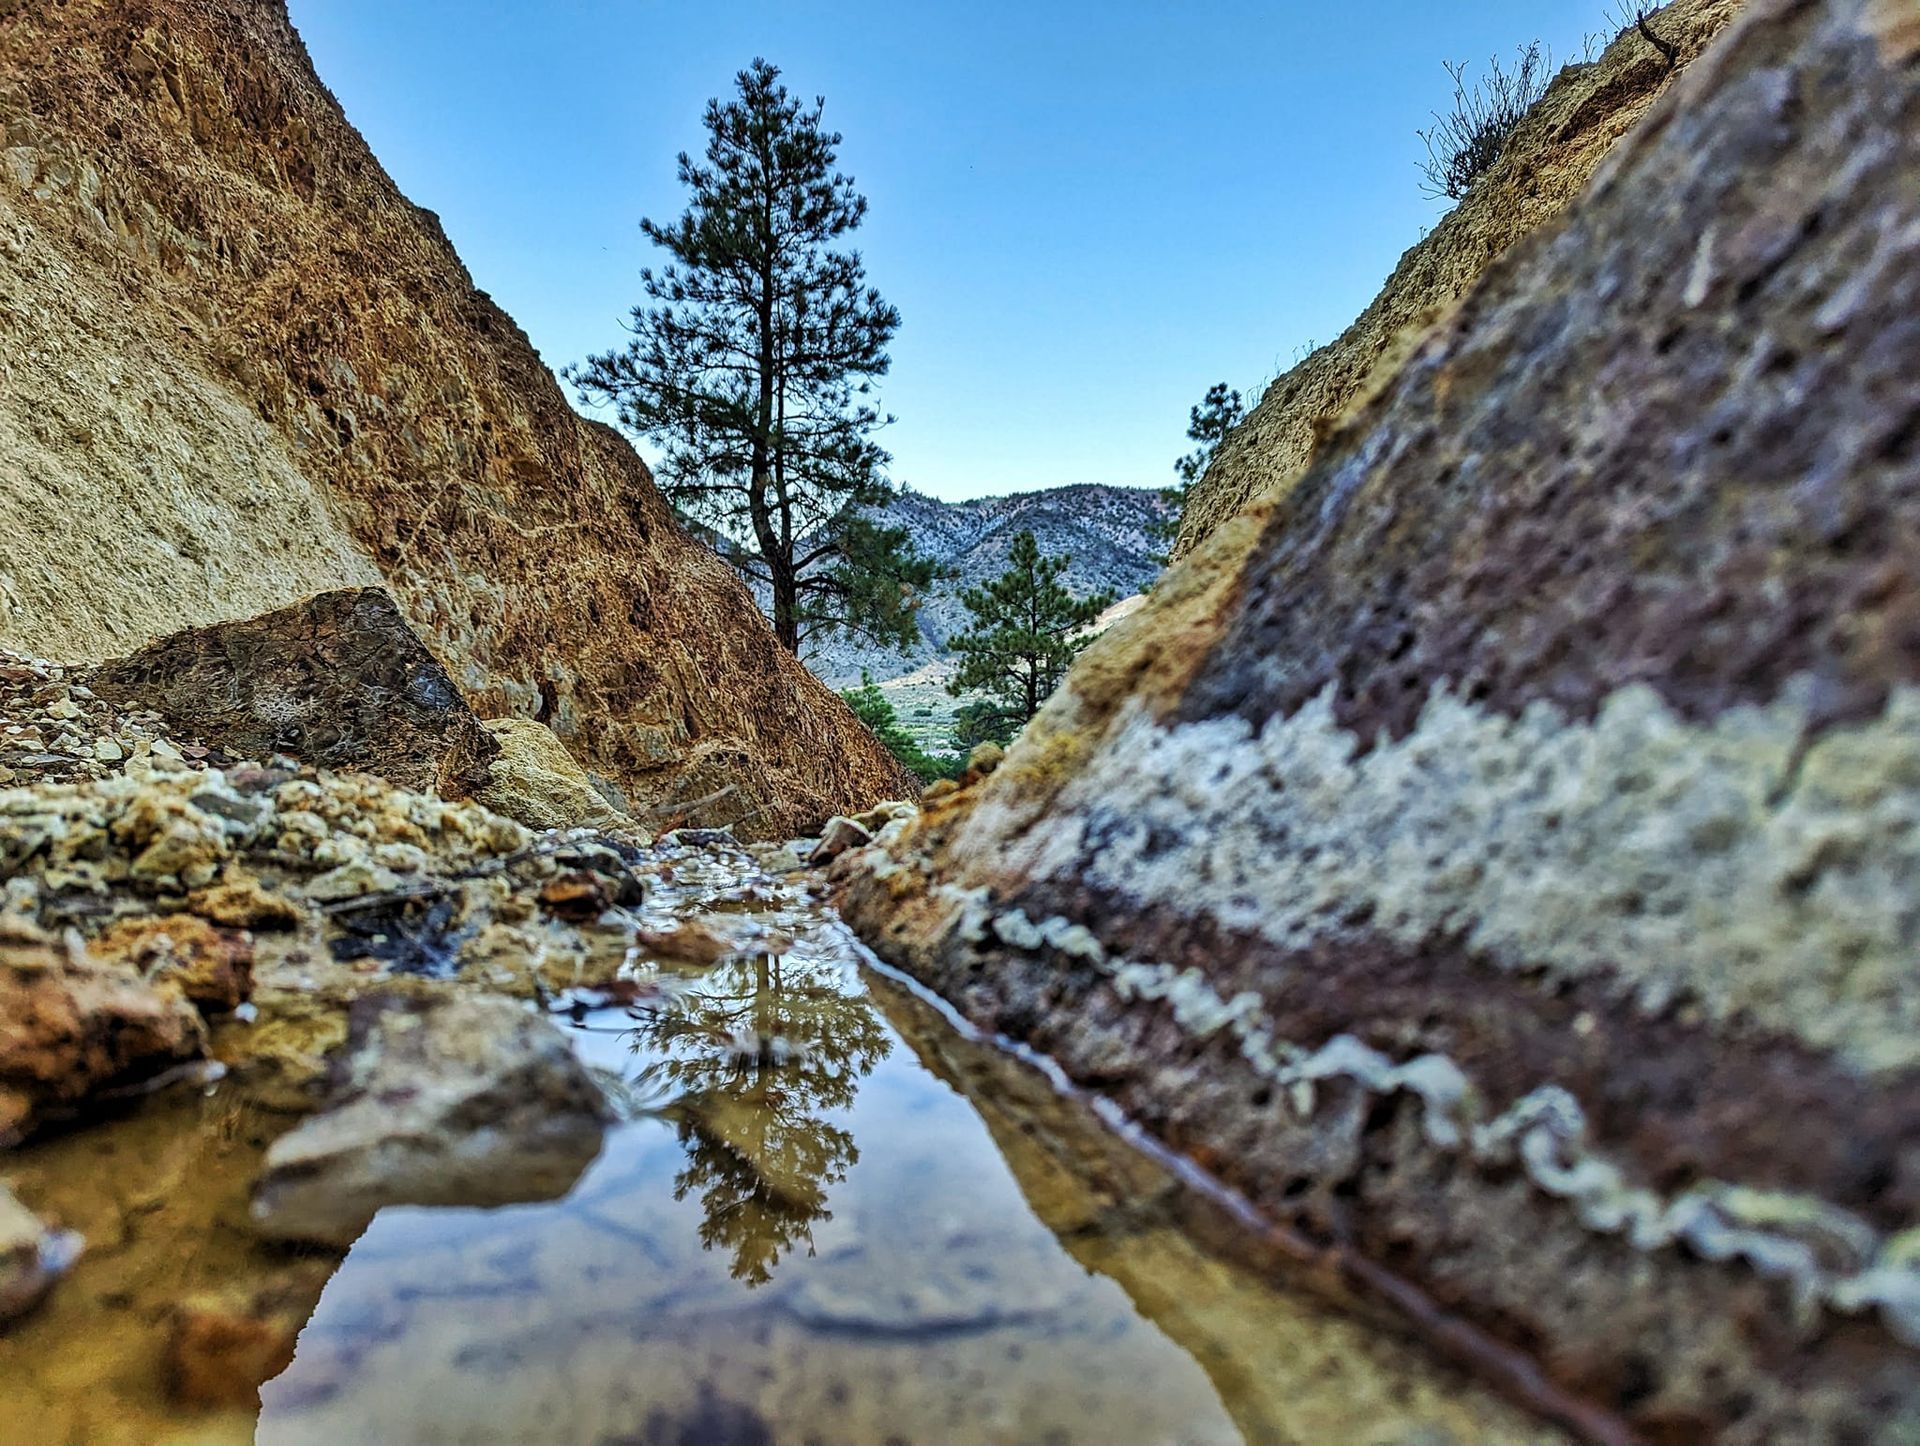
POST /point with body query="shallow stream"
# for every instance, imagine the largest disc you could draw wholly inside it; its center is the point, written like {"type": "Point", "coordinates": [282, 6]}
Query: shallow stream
{"type": "Point", "coordinates": [828, 1215]}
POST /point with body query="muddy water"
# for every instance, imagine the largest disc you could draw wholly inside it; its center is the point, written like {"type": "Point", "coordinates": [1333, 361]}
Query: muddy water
{"type": "Point", "coordinates": [826, 1216]}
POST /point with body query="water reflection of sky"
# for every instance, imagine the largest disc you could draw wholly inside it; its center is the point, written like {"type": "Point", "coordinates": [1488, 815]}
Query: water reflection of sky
{"type": "Point", "coordinates": [826, 1246]}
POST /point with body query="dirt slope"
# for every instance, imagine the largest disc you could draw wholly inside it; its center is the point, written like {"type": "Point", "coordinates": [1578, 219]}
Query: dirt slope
{"type": "Point", "coordinates": [1549, 160]}
{"type": "Point", "coordinates": [237, 367]}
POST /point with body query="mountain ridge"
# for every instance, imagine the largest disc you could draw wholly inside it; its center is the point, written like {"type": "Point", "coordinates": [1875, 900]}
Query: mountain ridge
{"type": "Point", "coordinates": [1104, 528]}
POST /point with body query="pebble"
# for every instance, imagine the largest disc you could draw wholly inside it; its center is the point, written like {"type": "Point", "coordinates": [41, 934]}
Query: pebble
{"type": "Point", "coordinates": [54, 731]}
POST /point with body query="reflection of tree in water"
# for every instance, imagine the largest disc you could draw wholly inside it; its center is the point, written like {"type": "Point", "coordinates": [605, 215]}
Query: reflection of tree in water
{"type": "Point", "coordinates": [755, 1053]}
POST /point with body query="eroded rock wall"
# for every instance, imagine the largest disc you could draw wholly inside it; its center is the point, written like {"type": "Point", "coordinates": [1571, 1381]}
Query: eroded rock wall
{"type": "Point", "coordinates": [238, 367]}
{"type": "Point", "coordinates": [1496, 853]}
{"type": "Point", "coordinates": [1547, 163]}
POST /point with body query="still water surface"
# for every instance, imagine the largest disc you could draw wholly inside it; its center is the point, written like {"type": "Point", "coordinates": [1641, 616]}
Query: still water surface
{"type": "Point", "coordinates": [830, 1218]}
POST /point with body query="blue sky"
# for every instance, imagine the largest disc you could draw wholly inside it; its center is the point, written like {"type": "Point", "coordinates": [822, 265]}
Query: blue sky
{"type": "Point", "coordinates": [1086, 213]}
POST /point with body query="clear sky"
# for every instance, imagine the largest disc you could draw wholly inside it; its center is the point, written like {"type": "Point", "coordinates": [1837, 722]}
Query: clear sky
{"type": "Point", "coordinates": [1086, 212]}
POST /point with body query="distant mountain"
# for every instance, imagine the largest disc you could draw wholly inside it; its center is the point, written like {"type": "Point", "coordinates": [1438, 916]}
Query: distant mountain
{"type": "Point", "coordinates": [1105, 530]}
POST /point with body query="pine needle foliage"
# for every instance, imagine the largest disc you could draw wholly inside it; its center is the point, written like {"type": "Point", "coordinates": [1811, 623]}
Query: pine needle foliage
{"type": "Point", "coordinates": [754, 367]}
{"type": "Point", "coordinates": [1027, 630]}
{"type": "Point", "coordinates": [1208, 423]}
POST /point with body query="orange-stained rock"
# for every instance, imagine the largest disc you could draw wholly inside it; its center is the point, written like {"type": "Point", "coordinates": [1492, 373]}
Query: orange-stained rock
{"type": "Point", "coordinates": [223, 1347]}
{"type": "Point", "coordinates": [73, 1029]}
{"type": "Point", "coordinates": [212, 967]}
{"type": "Point", "coordinates": [244, 903]}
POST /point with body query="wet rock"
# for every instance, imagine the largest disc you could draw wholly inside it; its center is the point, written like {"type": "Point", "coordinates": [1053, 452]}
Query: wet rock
{"type": "Point", "coordinates": [535, 780]}
{"type": "Point", "coordinates": [338, 680]}
{"type": "Point", "coordinates": [840, 835]}
{"type": "Point", "coordinates": [698, 838]}
{"type": "Point", "coordinates": [1494, 851]}
{"type": "Point", "coordinates": [74, 1030]}
{"type": "Point", "coordinates": [212, 967]}
{"type": "Point", "coordinates": [578, 898]}
{"type": "Point", "coordinates": [689, 943]}
{"type": "Point", "coordinates": [463, 1101]}
{"type": "Point", "coordinates": [221, 1347]}
{"type": "Point", "coordinates": [32, 1257]}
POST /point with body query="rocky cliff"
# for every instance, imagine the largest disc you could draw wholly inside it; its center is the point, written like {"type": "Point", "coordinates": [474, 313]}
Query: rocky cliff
{"type": "Point", "coordinates": [1549, 159]}
{"type": "Point", "coordinates": [1494, 854]}
{"type": "Point", "coordinates": [238, 367]}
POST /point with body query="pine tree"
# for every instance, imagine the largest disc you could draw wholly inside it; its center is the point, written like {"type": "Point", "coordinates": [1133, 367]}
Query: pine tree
{"type": "Point", "coordinates": [754, 371]}
{"type": "Point", "coordinates": [1208, 424]}
{"type": "Point", "coordinates": [1027, 629]}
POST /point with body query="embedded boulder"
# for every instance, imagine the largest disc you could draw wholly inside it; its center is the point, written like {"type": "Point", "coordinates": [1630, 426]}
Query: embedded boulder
{"type": "Point", "coordinates": [1493, 854]}
{"type": "Point", "coordinates": [468, 1100]}
{"type": "Point", "coordinates": [338, 681]}
{"type": "Point", "coordinates": [535, 780]}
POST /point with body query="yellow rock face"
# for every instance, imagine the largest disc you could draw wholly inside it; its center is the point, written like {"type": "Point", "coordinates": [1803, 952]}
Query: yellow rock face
{"type": "Point", "coordinates": [535, 781]}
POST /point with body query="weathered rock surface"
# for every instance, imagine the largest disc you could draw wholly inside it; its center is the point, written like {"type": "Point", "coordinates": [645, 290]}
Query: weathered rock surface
{"type": "Point", "coordinates": [73, 1028]}
{"type": "Point", "coordinates": [32, 1257]}
{"type": "Point", "coordinates": [1495, 854]}
{"type": "Point", "coordinates": [1548, 162]}
{"type": "Point", "coordinates": [535, 780]}
{"type": "Point", "coordinates": [243, 368]}
{"type": "Point", "coordinates": [211, 966]}
{"type": "Point", "coordinates": [338, 681]}
{"type": "Point", "coordinates": [460, 1101]}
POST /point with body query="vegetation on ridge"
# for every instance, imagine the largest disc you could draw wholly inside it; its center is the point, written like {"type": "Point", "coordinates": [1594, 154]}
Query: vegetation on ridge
{"type": "Point", "coordinates": [1463, 144]}
{"type": "Point", "coordinates": [872, 708]}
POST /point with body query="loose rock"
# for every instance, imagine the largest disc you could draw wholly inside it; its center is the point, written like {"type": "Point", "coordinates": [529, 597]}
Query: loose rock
{"type": "Point", "coordinates": [73, 1029]}
{"type": "Point", "coordinates": [463, 1101]}
{"type": "Point", "coordinates": [32, 1257]}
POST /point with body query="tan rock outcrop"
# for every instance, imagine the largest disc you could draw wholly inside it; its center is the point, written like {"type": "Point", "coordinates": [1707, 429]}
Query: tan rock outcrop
{"type": "Point", "coordinates": [535, 780]}
{"type": "Point", "coordinates": [241, 368]}
{"type": "Point", "coordinates": [1548, 161]}
{"type": "Point", "coordinates": [1493, 855]}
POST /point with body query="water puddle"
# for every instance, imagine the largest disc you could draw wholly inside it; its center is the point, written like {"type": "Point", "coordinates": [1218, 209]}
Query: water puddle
{"type": "Point", "coordinates": [827, 1217]}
